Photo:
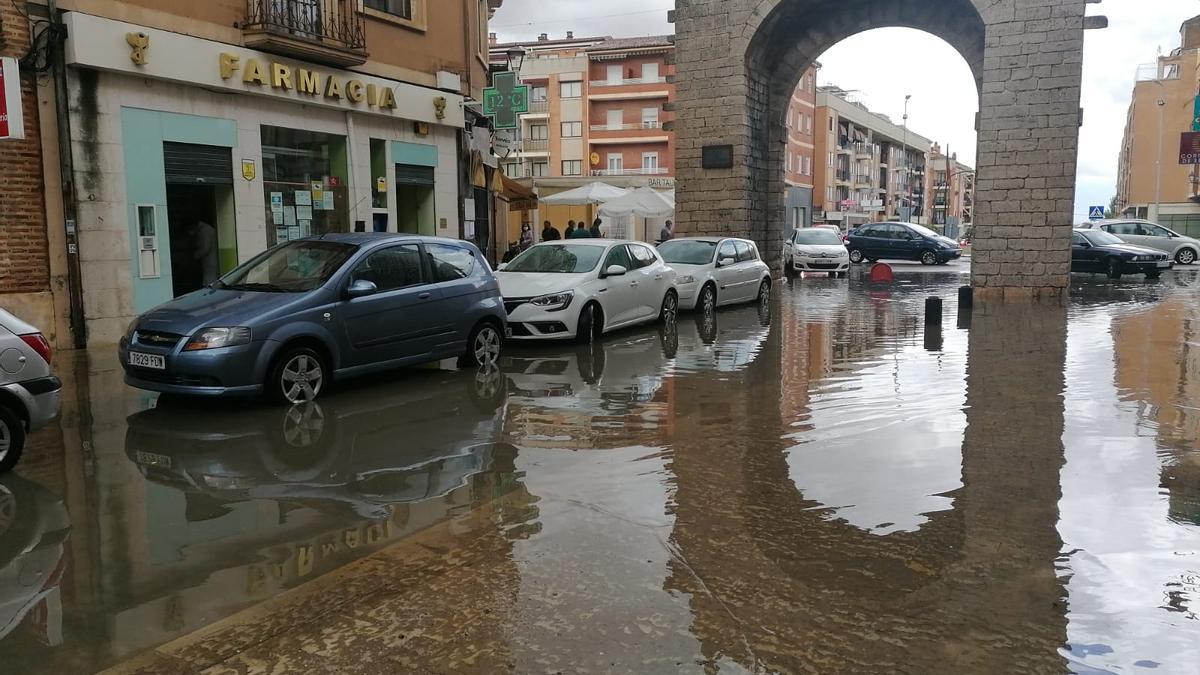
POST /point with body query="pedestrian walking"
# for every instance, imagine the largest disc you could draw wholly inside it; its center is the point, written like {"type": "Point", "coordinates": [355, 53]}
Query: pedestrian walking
{"type": "Point", "coordinates": [595, 232]}
{"type": "Point", "coordinates": [549, 233]}
{"type": "Point", "coordinates": [667, 233]}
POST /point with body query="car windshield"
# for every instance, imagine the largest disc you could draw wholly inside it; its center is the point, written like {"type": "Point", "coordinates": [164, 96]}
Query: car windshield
{"type": "Point", "coordinates": [558, 259]}
{"type": "Point", "coordinates": [818, 237]}
{"type": "Point", "coordinates": [688, 252]}
{"type": "Point", "coordinates": [1101, 238]}
{"type": "Point", "coordinates": [923, 230]}
{"type": "Point", "coordinates": [298, 267]}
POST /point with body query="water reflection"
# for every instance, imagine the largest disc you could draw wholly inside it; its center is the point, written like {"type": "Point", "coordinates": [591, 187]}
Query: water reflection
{"type": "Point", "coordinates": [34, 527]}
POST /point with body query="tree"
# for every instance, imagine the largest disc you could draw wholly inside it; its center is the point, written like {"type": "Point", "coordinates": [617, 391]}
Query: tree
{"type": "Point", "coordinates": [1111, 212]}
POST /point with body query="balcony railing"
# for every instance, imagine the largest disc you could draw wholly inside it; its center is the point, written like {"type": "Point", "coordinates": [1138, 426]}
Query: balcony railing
{"type": "Point", "coordinates": [538, 107]}
{"type": "Point", "coordinates": [628, 81]}
{"type": "Point", "coordinates": [843, 176]}
{"type": "Point", "coordinates": [649, 124]}
{"type": "Point", "coordinates": [325, 31]}
{"type": "Point", "coordinates": [535, 145]}
{"type": "Point", "coordinates": [654, 171]}
{"type": "Point", "coordinates": [865, 149]}
{"type": "Point", "coordinates": [863, 179]}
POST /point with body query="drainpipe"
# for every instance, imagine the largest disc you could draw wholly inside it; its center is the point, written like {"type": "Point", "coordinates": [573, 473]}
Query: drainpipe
{"type": "Point", "coordinates": [66, 164]}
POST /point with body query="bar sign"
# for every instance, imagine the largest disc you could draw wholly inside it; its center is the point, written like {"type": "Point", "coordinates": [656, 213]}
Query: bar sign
{"type": "Point", "coordinates": [1189, 148]}
{"type": "Point", "coordinates": [12, 120]}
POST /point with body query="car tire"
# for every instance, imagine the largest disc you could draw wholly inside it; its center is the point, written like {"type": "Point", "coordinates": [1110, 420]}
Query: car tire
{"type": "Point", "coordinates": [856, 256]}
{"type": "Point", "coordinates": [669, 312]}
{"type": "Point", "coordinates": [789, 268]}
{"type": "Point", "coordinates": [297, 367]}
{"type": "Point", "coordinates": [929, 258]}
{"type": "Point", "coordinates": [591, 324]}
{"type": "Point", "coordinates": [484, 346]}
{"type": "Point", "coordinates": [1114, 268]}
{"type": "Point", "coordinates": [12, 438]}
{"type": "Point", "coordinates": [764, 292]}
{"type": "Point", "coordinates": [708, 299]}
{"type": "Point", "coordinates": [1185, 256]}
{"type": "Point", "coordinates": [1154, 275]}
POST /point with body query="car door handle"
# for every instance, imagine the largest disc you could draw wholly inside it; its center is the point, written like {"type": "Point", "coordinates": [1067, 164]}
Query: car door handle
{"type": "Point", "coordinates": [658, 277]}
{"type": "Point", "coordinates": [424, 296]}
{"type": "Point", "coordinates": [633, 283]}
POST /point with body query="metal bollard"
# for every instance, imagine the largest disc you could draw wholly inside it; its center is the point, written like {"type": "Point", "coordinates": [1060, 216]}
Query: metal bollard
{"type": "Point", "coordinates": [933, 311]}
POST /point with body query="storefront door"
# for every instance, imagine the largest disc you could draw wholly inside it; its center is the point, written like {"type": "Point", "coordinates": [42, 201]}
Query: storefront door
{"type": "Point", "coordinates": [414, 199]}
{"type": "Point", "coordinates": [200, 214]}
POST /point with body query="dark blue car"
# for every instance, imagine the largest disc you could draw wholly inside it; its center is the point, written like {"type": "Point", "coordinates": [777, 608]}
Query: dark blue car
{"type": "Point", "coordinates": [1098, 251]}
{"type": "Point", "coordinates": [901, 241]}
{"type": "Point", "coordinates": [291, 320]}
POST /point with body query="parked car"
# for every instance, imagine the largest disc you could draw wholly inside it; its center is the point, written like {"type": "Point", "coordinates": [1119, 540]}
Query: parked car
{"type": "Point", "coordinates": [302, 314]}
{"type": "Point", "coordinates": [816, 250]}
{"type": "Point", "coordinates": [901, 241]}
{"type": "Point", "coordinates": [1099, 251]}
{"type": "Point", "coordinates": [30, 394]}
{"type": "Point", "coordinates": [1183, 250]}
{"type": "Point", "coordinates": [581, 289]}
{"type": "Point", "coordinates": [714, 271]}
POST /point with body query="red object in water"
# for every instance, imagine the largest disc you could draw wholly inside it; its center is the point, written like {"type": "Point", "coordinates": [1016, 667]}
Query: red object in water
{"type": "Point", "coordinates": [882, 273]}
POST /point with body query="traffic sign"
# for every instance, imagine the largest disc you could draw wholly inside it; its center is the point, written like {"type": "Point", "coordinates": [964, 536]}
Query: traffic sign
{"type": "Point", "coordinates": [505, 100]}
{"type": "Point", "coordinates": [1095, 213]}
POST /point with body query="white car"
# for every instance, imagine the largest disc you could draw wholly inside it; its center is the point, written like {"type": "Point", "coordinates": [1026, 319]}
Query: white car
{"type": "Point", "coordinates": [29, 392]}
{"type": "Point", "coordinates": [581, 289]}
{"type": "Point", "coordinates": [715, 271]}
{"type": "Point", "coordinates": [816, 249]}
{"type": "Point", "coordinates": [1184, 250]}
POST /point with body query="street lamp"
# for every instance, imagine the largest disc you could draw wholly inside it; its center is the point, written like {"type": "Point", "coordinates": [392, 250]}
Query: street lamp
{"type": "Point", "coordinates": [516, 58]}
{"type": "Point", "coordinates": [907, 170]}
{"type": "Point", "coordinates": [1162, 104]}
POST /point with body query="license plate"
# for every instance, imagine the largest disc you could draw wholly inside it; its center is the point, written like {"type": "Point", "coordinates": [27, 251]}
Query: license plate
{"type": "Point", "coordinates": [151, 459]}
{"type": "Point", "coordinates": [1165, 263]}
{"type": "Point", "coordinates": [147, 361]}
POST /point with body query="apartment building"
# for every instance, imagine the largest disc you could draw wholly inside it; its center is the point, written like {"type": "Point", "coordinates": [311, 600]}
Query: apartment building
{"type": "Point", "coordinates": [626, 96]}
{"type": "Point", "coordinates": [1151, 182]}
{"type": "Point", "coordinates": [800, 157]}
{"type": "Point", "coordinates": [950, 194]}
{"type": "Point", "coordinates": [262, 121]}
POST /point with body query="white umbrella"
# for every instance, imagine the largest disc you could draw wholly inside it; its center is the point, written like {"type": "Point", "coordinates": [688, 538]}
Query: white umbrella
{"type": "Point", "coordinates": [592, 193]}
{"type": "Point", "coordinates": [643, 202]}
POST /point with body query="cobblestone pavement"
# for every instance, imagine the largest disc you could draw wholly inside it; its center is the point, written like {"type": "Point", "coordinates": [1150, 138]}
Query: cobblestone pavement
{"type": "Point", "coordinates": [823, 485]}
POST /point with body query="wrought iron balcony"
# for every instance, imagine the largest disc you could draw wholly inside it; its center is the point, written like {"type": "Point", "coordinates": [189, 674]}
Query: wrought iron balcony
{"type": "Point", "coordinates": [322, 31]}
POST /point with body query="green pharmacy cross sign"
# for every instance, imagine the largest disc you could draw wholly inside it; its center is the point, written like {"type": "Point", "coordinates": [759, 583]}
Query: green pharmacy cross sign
{"type": "Point", "coordinates": [505, 99]}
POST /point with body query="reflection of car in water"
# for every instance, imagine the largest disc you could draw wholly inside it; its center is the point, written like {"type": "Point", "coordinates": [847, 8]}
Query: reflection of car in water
{"type": "Point", "coordinates": [33, 531]}
{"type": "Point", "coordinates": [723, 341]}
{"type": "Point", "coordinates": [363, 450]}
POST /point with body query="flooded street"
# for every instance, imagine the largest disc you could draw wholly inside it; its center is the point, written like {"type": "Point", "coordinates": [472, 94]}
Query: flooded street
{"type": "Point", "coordinates": [824, 485]}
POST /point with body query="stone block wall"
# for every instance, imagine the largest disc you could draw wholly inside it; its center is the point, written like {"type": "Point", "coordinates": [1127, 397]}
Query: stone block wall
{"type": "Point", "coordinates": [738, 61]}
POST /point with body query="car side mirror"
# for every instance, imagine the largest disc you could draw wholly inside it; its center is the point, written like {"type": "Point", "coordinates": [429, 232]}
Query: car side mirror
{"type": "Point", "coordinates": [501, 266]}
{"type": "Point", "coordinates": [361, 289]}
{"type": "Point", "coordinates": [615, 271]}
{"type": "Point", "coordinates": [725, 262]}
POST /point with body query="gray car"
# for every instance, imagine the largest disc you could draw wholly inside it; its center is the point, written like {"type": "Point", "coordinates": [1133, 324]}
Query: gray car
{"type": "Point", "coordinates": [1183, 250]}
{"type": "Point", "coordinates": [302, 314]}
{"type": "Point", "coordinates": [29, 394]}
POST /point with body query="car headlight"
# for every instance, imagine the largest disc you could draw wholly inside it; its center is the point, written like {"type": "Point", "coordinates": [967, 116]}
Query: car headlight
{"type": "Point", "coordinates": [947, 244]}
{"type": "Point", "coordinates": [215, 338]}
{"type": "Point", "coordinates": [555, 302]}
{"type": "Point", "coordinates": [1143, 258]}
{"type": "Point", "coordinates": [131, 330]}
{"type": "Point", "coordinates": [685, 279]}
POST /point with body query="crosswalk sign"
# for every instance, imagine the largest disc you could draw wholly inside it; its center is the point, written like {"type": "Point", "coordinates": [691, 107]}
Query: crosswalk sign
{"type": "Point", "coordinates": [1096, 213]}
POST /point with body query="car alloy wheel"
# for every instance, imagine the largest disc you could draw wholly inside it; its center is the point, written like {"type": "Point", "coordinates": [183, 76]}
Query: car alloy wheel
{"type": "Point", "coordinates": [304, 425]}
{"type": "Point", "coordinates": [764, 293]}
{"type": "Point", "coordinates": [708, 299]}
{"type": "Point", "coordinates": [12, 439]}
{"type": "Point", "coordinates": [303, 378]}
{"type": "Point", "coordinates": [1114, 268]}
{"type": "Point", "coordinates": [486, 346]}
{"type": "Point", "coordinates": [670, 308]}
{"type": "Point", "coordinates": [856, 256]}
{"type": "Point", "coordinates": [929, 258]}
{"type": "Point", "coordinates": [1185, 256]}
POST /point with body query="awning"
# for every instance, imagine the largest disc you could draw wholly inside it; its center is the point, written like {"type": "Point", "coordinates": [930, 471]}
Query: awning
{"type": "Point", "coordinates": [519, 197]}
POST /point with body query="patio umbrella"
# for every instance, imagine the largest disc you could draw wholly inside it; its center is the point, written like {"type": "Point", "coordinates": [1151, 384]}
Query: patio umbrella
{"type": "Point", "coordinates": [643, 202]}
{"type": "Point", "coordinates": [592, 193]}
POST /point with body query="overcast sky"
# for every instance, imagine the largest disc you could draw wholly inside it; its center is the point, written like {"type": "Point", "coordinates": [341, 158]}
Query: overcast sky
{"type": "Point", "coordinates": [944, 99]}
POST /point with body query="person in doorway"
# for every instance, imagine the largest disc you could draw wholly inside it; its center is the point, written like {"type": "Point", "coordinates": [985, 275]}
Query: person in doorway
{"type": "Point", "coordinates": [526, 236]}
{"type": "Point", "coordinates": [549, 233]}
{"type": "Point", "coordinates": [596, 233]}
{"type": "Point", "coordinates": [667, 233]}
{"type": "Point", "coordinates": [579, 231]}
{"type": "Point", "coordinates": [205, 246]}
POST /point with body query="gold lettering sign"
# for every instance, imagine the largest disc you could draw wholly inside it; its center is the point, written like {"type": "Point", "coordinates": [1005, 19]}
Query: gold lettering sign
{"type": "Point", "coordinates": [311, 83]}
{"type": "Point", "coordinates": [304, 560]}
{"type": "Point", "coordinates": [352, 538]}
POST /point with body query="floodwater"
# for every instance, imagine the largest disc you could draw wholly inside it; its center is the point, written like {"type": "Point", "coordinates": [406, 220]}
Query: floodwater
{"type": "Point", "coordinates": [825, 485]}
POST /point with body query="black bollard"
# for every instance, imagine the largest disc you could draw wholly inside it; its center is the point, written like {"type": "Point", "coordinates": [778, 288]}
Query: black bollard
{"type": "Point", "coordinates": [933, 311]}
{"type": "Point", "coordinates": [934, 340]}
{"type": "Point", "coordinates": [964, 317]}
{"type": "Point", "coordinates": [966, 297]}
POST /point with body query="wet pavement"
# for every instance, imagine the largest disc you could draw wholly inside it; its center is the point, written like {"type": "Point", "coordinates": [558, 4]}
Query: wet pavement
{"type": "Point", "coordinates": [823, 485]}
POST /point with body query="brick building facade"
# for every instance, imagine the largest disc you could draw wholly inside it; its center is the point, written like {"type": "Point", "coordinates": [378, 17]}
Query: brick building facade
{"type": "Point", "coordinates": [24, 255]}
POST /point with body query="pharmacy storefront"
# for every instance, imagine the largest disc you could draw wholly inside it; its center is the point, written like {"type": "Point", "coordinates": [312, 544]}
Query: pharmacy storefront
{"type": "Point", "coordinates": [192, 156]}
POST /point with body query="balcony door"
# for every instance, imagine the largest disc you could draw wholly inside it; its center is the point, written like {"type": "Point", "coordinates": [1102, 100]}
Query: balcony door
{"type": "Point", "coordinates": [616, 164]}
{"type": "Point", "coordinates": [614, 75]}
{"type": "Point", "coordinates": [650, 162]}
{"type": "Point", "coordinates": [615, 119]}
{"type": "Point", "coordinates": [649, 72]}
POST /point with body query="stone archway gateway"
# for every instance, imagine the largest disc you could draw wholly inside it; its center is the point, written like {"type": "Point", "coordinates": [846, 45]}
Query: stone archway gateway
{"type": "Point", "coordinates": [738, 62]}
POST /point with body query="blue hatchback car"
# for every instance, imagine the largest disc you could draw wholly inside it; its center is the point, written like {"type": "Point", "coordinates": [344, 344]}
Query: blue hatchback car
{"type": "Point", "coordinates": [901, 241]}
{"type": "Point", "coordinates": [302, 314]}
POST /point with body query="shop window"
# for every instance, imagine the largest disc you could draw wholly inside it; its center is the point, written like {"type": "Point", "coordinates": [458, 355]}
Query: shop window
{"type": "Point", "coordinates": [379, 173]}
{"type": "Point", "coordinates": [304, 178]}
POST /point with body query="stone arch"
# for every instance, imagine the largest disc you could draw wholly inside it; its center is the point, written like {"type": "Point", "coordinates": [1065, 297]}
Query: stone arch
{"type": "Point", "coordinates": [1026, 56]}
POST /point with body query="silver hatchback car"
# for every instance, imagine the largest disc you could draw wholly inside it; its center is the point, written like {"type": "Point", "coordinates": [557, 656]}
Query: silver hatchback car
{"type": "Point", "coordinates": [29, 394]}
{"type": "Point", "coordinates": [1182, 249]}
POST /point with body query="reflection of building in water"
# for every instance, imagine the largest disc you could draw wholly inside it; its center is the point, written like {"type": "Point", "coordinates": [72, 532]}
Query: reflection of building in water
{"type": "Point", "coordinates": [776, 587]}
{"type": "Point", "coordinates": [1157, 356]}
